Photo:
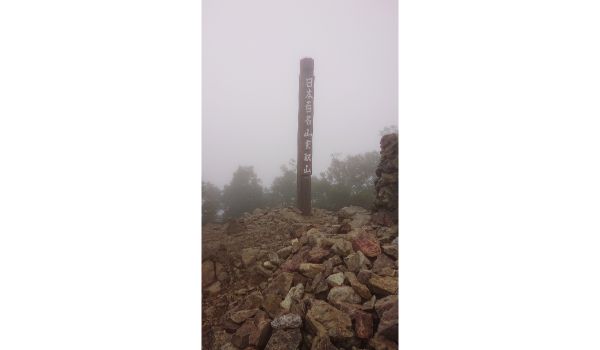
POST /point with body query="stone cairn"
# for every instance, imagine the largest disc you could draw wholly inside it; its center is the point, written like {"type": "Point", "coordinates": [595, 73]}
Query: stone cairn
{"type": "Point", "coordinates": [386, 184]}
{"type": "Point", "coordinates": [333, 285]}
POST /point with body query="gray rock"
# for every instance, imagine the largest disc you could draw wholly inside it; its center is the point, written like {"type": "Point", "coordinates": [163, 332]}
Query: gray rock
{"type": "Point", "coordinates": [337, 279]}
{"type": "Point", "coordinates": [344, 294]}
{"type": "Point", "coordinates": [287, 321]}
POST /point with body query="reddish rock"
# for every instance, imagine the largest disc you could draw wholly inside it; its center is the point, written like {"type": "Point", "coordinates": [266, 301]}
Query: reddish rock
{"type": "Point", "coordinates": [384, 266]}
{"type": "Point", "coordinates": [293, 263]}
{"type": "Point", "coordinates": [363, 324]}
{"type": "Point", "coordinates": [385, 304]}
{"type": "Point", "coordinates": [388, 323]}
{"type": "Point", "coordinates": [367, 243]}
{"type": "Point", "coordinates": [348, 308]}
{"type": "Point", "coordinates": [317, 255]}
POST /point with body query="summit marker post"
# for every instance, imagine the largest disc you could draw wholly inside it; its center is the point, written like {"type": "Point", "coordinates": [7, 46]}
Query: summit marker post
{"type": "Point", "coordinates": [305, 133]}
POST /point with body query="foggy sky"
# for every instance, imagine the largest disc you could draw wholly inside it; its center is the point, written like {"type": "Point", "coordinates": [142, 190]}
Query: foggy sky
{"type": "Point", "coordinates": [251, 58]}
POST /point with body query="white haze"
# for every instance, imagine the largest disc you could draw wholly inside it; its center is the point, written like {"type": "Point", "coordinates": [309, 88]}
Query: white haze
{"type": "Point", "coordinates": [251, 55]}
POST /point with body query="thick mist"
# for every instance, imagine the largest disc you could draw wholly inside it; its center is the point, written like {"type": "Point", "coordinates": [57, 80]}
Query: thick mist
{"type": "Point", "coordinates": [251, 57]}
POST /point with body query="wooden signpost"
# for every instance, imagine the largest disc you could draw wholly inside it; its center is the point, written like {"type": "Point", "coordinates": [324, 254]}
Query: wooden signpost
{"type": "Point", "coordinates": [305, 133]}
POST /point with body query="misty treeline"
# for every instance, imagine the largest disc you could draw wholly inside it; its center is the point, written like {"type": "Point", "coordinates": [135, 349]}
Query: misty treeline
{"type": "Point", "coordinates": [347, 181]}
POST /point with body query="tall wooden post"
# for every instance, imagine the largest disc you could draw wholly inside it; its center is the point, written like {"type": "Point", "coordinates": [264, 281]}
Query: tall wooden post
{"type": "Point", "coordinates": [305, 133]}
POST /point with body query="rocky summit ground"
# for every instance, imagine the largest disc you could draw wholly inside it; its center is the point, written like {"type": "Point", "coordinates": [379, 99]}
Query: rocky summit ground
{"type": "Point", "coordinates": [275, 279]}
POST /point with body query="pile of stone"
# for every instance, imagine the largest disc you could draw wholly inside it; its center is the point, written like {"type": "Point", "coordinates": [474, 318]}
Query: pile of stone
{"type": "Point", "coordinates": [332, 286]}
{"type": "Point", "coordinates": [386, 185]}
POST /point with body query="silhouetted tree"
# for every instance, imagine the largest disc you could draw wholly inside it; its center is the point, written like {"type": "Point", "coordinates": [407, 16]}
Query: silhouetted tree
{"type": "Point", "coordinates": [349, 181]}
{"type": "Point", "coordinates": [243, 194]}
{"type": "Point", "coordinates": [283, 188]}
{"type": "Point", "coordinates": [390, 129]}
{"type": "Point", "coordinates": [211, 202]}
